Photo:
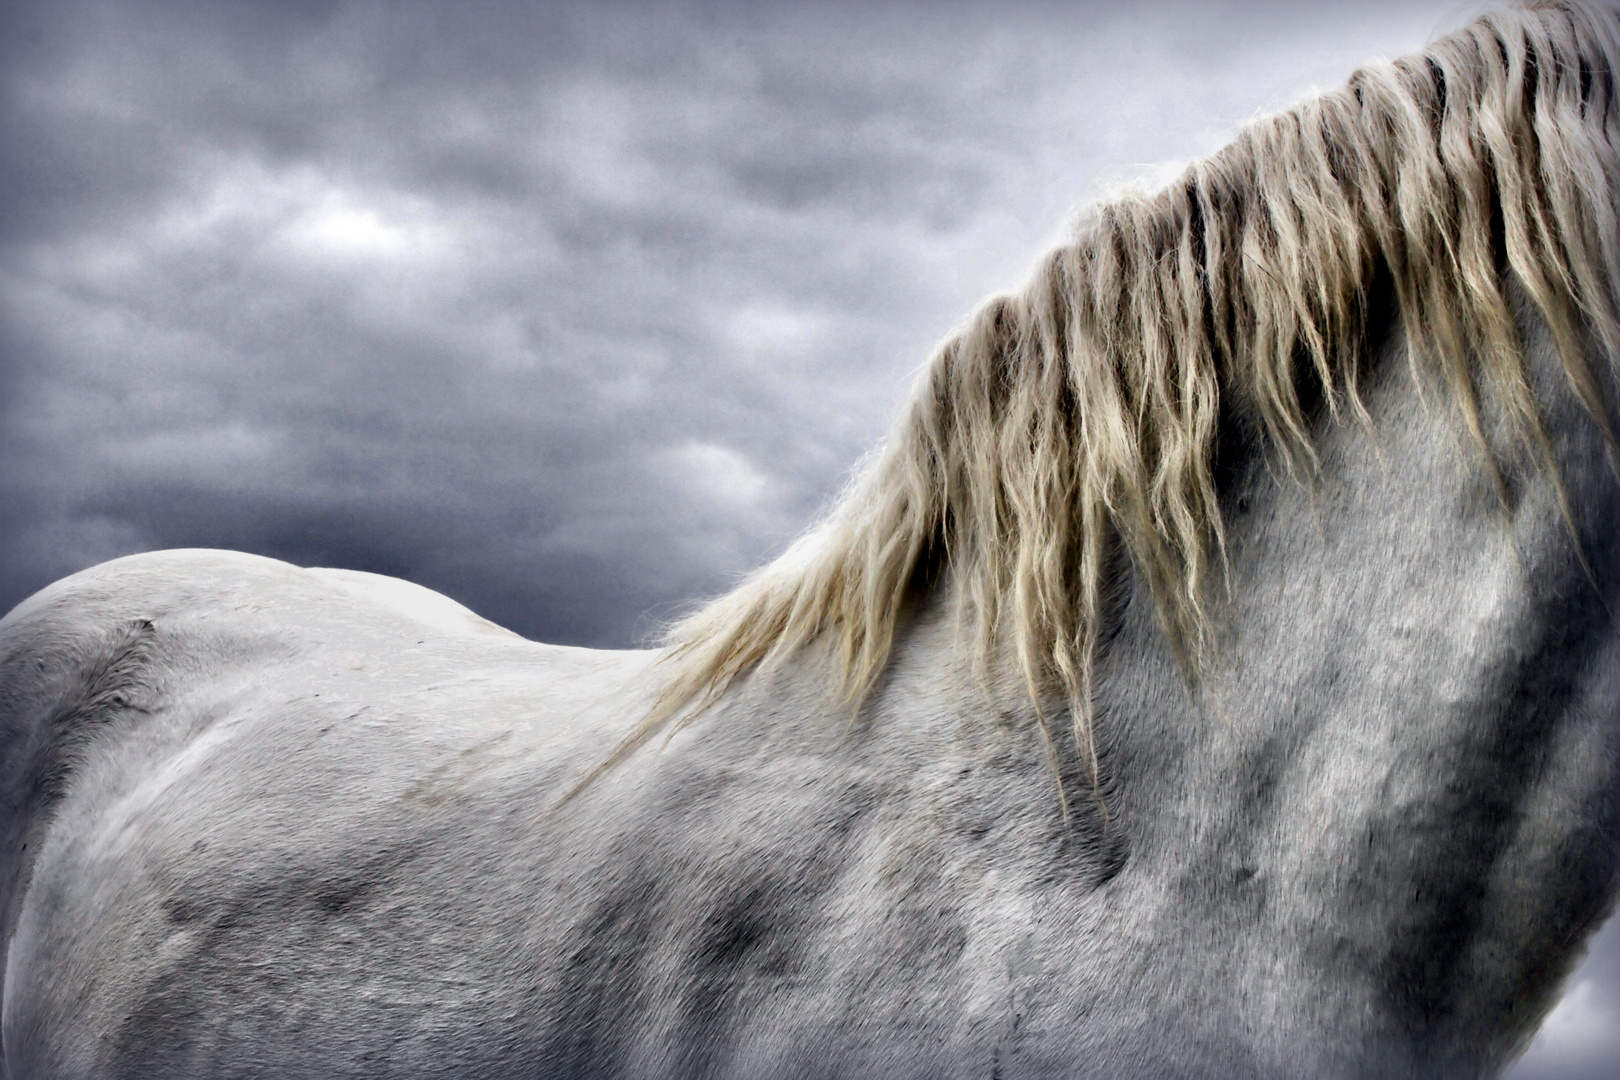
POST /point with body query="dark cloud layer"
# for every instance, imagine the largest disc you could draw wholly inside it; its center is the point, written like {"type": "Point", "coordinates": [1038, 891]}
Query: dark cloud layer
{"type": "Point", "coordinates": [574, 312]}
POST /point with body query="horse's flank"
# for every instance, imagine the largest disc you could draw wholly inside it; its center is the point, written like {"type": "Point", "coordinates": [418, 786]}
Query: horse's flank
{"type": "Point", "coordinates": [1081, 415]}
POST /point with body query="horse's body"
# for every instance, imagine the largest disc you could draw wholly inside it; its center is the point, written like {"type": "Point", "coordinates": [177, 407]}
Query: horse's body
{"type": "Point", "coordinates": [264, 821]}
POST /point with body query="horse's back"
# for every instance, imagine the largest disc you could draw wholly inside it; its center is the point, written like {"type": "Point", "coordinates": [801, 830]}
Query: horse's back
{"type": "Point", "coordinates": [169, 721]}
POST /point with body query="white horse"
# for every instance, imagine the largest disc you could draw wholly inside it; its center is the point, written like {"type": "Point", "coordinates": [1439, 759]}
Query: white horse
{"type": "Point", "coordinates": [1215, 675]}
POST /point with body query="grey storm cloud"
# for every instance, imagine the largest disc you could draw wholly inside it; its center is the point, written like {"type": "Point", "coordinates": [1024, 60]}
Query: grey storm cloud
{"type": "Point", "coordinates": [574, 312]}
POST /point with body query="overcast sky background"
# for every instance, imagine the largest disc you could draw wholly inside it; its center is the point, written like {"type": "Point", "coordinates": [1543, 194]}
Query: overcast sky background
{"type": "Point", "coordinates": [573, 312]}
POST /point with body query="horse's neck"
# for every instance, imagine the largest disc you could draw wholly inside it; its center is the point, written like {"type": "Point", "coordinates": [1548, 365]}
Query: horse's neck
{"type": "Point", "coordinates": [1388, 811]}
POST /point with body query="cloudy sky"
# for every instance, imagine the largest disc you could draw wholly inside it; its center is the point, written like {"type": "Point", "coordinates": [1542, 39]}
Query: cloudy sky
{"type": "Point", "coordinates": [573, 312]}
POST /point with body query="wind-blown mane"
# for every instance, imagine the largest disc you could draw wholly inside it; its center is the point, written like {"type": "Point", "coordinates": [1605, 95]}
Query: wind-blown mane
{"type": "Point", "coordinates": [1077, 418]}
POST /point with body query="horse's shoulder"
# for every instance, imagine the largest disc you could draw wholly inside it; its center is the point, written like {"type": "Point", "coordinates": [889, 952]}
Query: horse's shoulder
{"type": "Point", "coordinates": [84, 636]}
{"type": "Point", "coordinates": [113, 670]}
{"type": "Point", "coordinates": [112, 643]}
{"type": "Point", "coordinates": [150, 642]}
{"type": "Point", "coordinates": [211, 599]}
{"type": "Point", "coordinates": [75, 612]}
{"type": "Point", "coordinates": [99, 651]}
{"type": "Point", "coordinates": [82, 660]}
{"type": "Point", "coordinates": [96, 635]}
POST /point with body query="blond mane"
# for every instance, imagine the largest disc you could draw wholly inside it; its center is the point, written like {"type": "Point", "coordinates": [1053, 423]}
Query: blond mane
{"type": "Point", "coordinates": [1077, 418]}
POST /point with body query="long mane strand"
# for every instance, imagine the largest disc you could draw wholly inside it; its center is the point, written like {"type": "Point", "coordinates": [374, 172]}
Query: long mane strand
{"type": "Point", "coordinates": [1078, 418]}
